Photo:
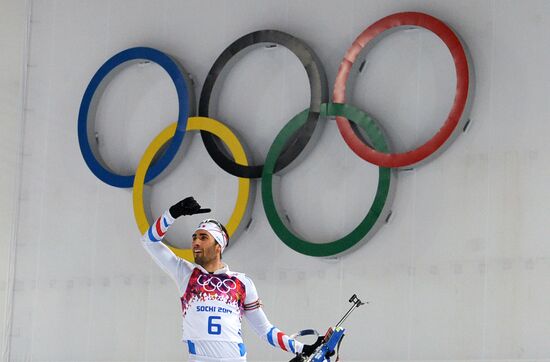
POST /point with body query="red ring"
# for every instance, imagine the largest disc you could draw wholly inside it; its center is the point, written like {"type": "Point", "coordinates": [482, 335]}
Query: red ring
{"type": "Point", "coordinates": [459, 104]}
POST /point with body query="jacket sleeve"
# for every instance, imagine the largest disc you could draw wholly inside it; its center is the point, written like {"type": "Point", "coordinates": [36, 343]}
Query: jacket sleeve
{"type": "Point", "coordinates": [179, 269]}
{"type": "Point", "coordinates": [262, 326]}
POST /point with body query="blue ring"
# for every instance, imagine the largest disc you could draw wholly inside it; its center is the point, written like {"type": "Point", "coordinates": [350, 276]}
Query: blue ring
{"type": "Point", "coordinates": [173, 70]}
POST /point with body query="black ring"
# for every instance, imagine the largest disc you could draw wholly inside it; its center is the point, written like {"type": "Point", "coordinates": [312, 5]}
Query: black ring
{"type": "Point", "coordinates": [319, 94]}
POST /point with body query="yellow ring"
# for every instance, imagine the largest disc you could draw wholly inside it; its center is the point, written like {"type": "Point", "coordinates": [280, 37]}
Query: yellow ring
{"type": "Point", "coordinates": [193, 124]}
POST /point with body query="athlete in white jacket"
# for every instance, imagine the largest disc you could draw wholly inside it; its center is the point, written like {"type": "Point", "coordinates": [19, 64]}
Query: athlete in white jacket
{"type": "Point", "coordinates": [213, 298]}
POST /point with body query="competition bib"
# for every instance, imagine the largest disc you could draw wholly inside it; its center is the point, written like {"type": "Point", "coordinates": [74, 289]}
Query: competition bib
{"type": "Point", "coordinates": [212, 307]}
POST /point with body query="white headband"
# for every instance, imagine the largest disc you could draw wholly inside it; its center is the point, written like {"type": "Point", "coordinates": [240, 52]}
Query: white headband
{"type": "Point", "coordinates": [214, 230]}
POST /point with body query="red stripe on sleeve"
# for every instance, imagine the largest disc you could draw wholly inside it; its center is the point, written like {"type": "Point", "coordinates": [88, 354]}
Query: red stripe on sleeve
{"type": "Point", "coordinates": [159, 230]}
{"type": "Point", "coordinates": [280, 340]}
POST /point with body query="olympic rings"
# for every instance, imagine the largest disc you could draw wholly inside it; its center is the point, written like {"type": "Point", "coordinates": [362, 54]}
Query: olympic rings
{"type": "Point", "coordinates": [193, 124]}
{"type": "Point", "coordinates": [381, 202]}
{"type": "Point", "coordinates": [185, 99]}
{"type": "Point", "coordinates": [293, 137]}
{"type": "Point", "coordinates": [319, 94]}
{"type": "Point", "coordinates": [457, 115]}
{"type": "Point", "coordinates": [209, 285]}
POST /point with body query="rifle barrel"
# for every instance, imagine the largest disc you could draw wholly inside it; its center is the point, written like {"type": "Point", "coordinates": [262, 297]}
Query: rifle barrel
{"type": "Point", "coordinates": [356, 303]}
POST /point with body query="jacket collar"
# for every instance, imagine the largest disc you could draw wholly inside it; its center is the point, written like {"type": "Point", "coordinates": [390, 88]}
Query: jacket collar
{"type": "Point", "coordinates": [222, 270]}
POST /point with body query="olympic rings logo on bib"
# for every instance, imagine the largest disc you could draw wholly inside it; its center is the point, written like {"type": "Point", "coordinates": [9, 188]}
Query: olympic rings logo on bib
{"type": "Point", "coordinates": [213, 283]}
{"type": "Point", "coordinates": [371, 145]}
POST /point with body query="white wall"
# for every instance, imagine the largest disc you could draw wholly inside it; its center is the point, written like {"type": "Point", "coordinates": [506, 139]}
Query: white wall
{"type": "Point", "coordinates": [13, 27]}
{"type": "Point", "coordinates": [461, 272]}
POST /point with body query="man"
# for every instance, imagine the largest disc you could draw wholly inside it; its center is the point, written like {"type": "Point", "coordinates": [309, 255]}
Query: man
{"type": "Point", "coordinates": [213, 298]}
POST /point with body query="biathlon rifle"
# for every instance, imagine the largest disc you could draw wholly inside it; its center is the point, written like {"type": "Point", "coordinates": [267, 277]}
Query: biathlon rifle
{"type": "Point", "coordinates": [331, 340]}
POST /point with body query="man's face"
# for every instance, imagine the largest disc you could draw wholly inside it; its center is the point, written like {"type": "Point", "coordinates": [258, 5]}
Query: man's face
{"type": "Point", "coordinates": [205, 249]}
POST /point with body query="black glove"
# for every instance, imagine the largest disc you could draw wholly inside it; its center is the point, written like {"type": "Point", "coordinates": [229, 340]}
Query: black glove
{"type": "Point", "coordinates": [187, 206]}
{"type": "Point", "coordinates": [310, 348]}
{"type": "Point", "coordinates": [299, 358]}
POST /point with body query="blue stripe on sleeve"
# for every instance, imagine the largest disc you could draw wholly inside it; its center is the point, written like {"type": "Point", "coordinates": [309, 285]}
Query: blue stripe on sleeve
{"type": "Point", "coordinates": [164, 222]}
{"type": "Point", "coordinates": [150, 234]}
{"type": "Point", "coordinates": [242, 349]}
{"type": "Point", "coordinates": [191, 347]}
{"type": "Point", "coordinates": [291, 344]}
{"type": "Point", "coordinates": [270, 337]}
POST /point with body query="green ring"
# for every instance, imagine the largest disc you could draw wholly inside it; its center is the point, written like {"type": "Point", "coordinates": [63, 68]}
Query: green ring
{"type": "Point", "coordinates": [376, 137]}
